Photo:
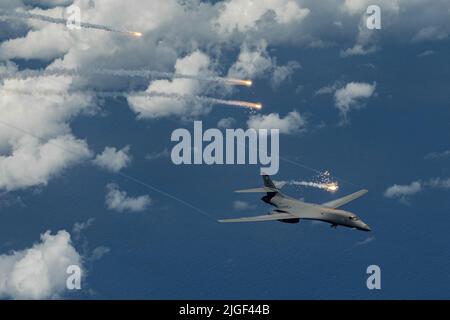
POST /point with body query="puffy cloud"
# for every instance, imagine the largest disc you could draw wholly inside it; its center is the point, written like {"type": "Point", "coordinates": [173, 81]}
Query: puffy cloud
{"type": "Point", "coordinates": [36, 143]}
{"type": "Point", "coordinates": [226, 123]}
{"type": "Point", "coordinates": [197, 63]}
{"type": "Point", "coordinates": [255, 62]}
{"type": "Point", "coordinates": [26, 105]}
{"type": "Point", "coordinates": [252, 62]}
{"type": "Point", "coordinates": [120, 201]}
{"type": "Point", "coordinates": [40, 271]}
{"type": "Point", "coordinates": [283, 73]}
{"type": "Point", "coordinates": [213, 26]}
{"type": "Point", "coordinates": [38, 44]}
{"type": "Point", "coordinates": [244, 15]}
{"type": "Point", "coordinates": [351, 95]}
{"type": "Point", "coordinates": [113, 160]}
{"type": "Point", "coordinates": [292, 123]}
{"type": "Point", "coordinates": [401, 191]}
{"type": "Point", "coordinates": [33, 163]}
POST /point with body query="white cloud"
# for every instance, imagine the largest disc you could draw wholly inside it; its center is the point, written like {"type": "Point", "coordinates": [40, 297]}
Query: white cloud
{"type": "Point", "coordinates": [350, 96]}
{"type": "Point", "coordinates": [118, 200]}
{"type": "Point", "coordinates": [226, 123]}
{"type": "Point", "coordinates": [79, 227]}
{"type": "Point", "coordinates": [358, 50]}
{"type": "Point", "coordinates": [33, 163]}
{"type": "Point", "coordinates": [292, 123]}
{"type": "Point", "coordinates": [401, 191]}
{"type": "Point", "coordinates": [425, 53]}
{"type": "Point", "coordinates": [255, 62]}
{"type": "Point", "coordinates": [438, 155]}
{"type": "Point", "coordinates": [404, 192]}
{"type": "Point", "coordinates": [113, 160]}
{"type": "Point", "coordinates": [365, 41]}
{"type": "Point", "coordinates": [326, 90]}
{"type": "Point", "coordinates": [244, 15]}
{"type": "Point", "coordinates": [38, 44]}
{"type": "Point", "coordinates": [203, 30]}
{"type": "Point", "coordinates": [430, 33]}
{"type": "Point", "coordinates": [98, 253]}
{"type": "Point", "coordinates": [36, 143]}
{"type": "Point", "coordinates": [157, 155]}
{"type": "Point", "coordinates": [283, 73]}
{"type": "Point", "coordinates": [439, 183]}
{"type": "Point", "coordinates": [197, 63]}
{"type": "Point", "coordinates": [40, 271]}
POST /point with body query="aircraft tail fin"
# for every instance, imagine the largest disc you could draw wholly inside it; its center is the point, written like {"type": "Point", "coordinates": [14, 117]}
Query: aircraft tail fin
{"type": "Point", "coordinates": [268, 183]}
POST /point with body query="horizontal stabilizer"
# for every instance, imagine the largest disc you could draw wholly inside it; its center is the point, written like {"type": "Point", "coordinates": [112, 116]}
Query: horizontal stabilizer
{"type": "Point", "coordinates": [341, 201]}
{"type": "Point", "coordinates": [263, 190]}
{"type": "Point", "coordinates": [279, 184]}
{"type": "Point", "coordinates": [267, 217]}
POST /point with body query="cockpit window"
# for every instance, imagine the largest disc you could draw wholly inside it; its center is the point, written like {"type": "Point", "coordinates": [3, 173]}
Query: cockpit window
{"type": "Point", "coordinates": [353, 218]}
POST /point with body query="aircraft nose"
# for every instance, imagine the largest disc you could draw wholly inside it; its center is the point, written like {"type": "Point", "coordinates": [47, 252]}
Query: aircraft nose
{"type": "Point", "coordinates": [363, 226]}
{"type": "Point", "coordinates": [366, 227]}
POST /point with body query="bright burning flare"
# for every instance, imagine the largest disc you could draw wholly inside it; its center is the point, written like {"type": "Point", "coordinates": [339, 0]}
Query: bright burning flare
{"type": "Point", "coordinates": [136, 34]}
{"type": "Point", "coordinates": [328, 186]}
{"type": "Point", "coordinates": [332, 187]}
{"type": "Point", "coordinates": [240, 82]}
{"type": "Point", "coordinates": [244, 104]}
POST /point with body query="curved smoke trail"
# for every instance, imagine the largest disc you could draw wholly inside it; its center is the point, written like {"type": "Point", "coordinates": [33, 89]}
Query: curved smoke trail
{"type": "Point", "coordinates": [40, 17]}
{"type": "Point", "coordinates": [143, 73]}
{"type": "Point", "coordinates": [155, 94]}
{"type": "Point", "coordinates": [329, 186]}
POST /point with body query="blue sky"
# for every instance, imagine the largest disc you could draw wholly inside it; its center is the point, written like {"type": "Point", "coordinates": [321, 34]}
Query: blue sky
{"type": "Point", "coordinates": [166, 249]}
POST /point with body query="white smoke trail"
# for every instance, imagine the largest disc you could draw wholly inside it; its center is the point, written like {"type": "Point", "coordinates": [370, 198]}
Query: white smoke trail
{"type": "Point", "coordinates": [330, 186]}
{"type": "Point", "coordinates": [143, 73]}
{"type": "Point", "coordinates": [155, 94]}
{"type": "Point", "coordinates": [323, 181]}
{"type": "Point", "coordinates": [40, 17]}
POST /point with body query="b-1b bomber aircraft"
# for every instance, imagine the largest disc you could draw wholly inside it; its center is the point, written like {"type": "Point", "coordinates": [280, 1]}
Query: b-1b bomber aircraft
{"type": "Point", "coordinates": [290, 210]}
